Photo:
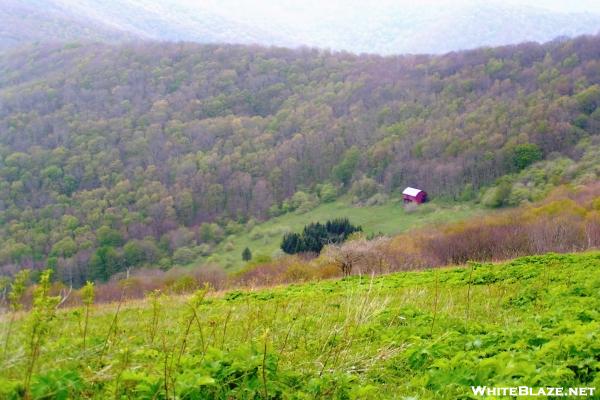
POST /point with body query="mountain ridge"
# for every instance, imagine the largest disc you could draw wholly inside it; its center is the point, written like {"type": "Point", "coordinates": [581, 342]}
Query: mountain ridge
{"type": "Point", "coordinates": [386, 28]}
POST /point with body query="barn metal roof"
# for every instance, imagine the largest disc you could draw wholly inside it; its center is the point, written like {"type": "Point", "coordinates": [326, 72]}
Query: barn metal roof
{"type": "Point", "coordinates": [409, 191]}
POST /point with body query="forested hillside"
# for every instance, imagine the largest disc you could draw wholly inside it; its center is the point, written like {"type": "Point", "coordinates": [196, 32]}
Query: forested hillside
{"type": "Point", "coordinates": [113, 157]}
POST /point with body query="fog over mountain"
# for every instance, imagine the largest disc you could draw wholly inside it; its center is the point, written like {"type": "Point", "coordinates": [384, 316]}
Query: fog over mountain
{"type": "Point", "coordinates": [386, 27]}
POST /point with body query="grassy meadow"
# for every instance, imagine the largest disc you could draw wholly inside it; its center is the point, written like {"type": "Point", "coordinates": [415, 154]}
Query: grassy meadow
{"type": "Point", "coordinates": [415, 335]}
{"type": "Point", "coordinates": [390, 218]}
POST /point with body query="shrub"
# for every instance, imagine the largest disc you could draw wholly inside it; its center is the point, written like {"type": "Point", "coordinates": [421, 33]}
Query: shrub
{"type": "Point", "coordinates": [210, 233]}
{"type": "Point", "coordinates": [596, 204]}
{"type": "Point", "coordinates": [377, 199]}
{"type": "Point", "coordinates": [211, 274]}
{"type": "Point", "coordinates": [233, 227]}
{"type": "Point", "coordinates": [300, 202]}
{"type": "Point", "coordinates": [328, 271]}
{"type": "Point", "coordinates": [363, 189]}
{"type": "Point", "coordinates": [203, 250]}
{"type": "Point", "coordinates": [183, 255]}
{"type": "Point", "coordinates": [298, 272]}
{"type": "Point", "coordinates": [497, 196]}
{"type": "Point", "coordinates": [183, 284]}
{"type": "Point", "coordinates": [327, 193]}
{"type": "Point", "coordinates": [364, 256]}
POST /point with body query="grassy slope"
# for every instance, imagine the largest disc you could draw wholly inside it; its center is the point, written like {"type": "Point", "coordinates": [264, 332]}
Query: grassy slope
{"type": "Point", "coordinates": [388, 219]}
{"type": "Point", "coordinates": [430, 334]}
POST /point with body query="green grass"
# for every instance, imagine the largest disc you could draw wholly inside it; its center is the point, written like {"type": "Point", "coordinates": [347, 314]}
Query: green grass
{"type": "Point", "coordinates": [534, 321]}
{"type": "Point", "coordinates": [389, 219]}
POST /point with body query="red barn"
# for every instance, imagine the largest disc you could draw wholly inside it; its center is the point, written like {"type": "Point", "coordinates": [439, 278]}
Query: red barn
{"type": "Point", "coordinates": [412, 195]}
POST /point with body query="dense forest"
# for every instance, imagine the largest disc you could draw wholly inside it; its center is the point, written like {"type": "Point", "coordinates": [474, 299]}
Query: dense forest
{"type": "Point", "coordinates": [114, 157]}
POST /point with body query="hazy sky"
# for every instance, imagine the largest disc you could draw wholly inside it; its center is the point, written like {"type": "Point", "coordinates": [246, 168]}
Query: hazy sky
{"type": "Point", "coordinates": [562, 5]}
{"type": "Point", "coordinates": [381, 26]}
{"type": "Point", "coordinates": [315, 6]}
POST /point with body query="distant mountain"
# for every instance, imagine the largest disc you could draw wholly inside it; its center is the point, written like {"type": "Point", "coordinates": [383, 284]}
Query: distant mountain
{"type": "Point", "coordinates": [171, 20]}
{"type": "Point", "coordinates": [42, 21]}
{"type": "Point", "coordinates": [127, 20]}
{"type": "Point", "coordinates": [388, 27]}
{"type": "Point", "coordinates": [400, 26]}
{"type": "Point", "coordinates": [489, 25]}
{"type": "Point", "coordinates": [421, 28]}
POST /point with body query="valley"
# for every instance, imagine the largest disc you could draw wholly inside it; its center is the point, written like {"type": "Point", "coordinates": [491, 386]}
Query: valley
{"type": "Point", "coordinates": [122, 157]}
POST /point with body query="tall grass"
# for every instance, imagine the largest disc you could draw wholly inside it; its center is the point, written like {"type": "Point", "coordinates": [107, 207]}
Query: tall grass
{"type": "Point", "coordinates": [359, 337]}
{"type": "Point", "coordinates": [41, 314]}
{"type": "Point", "coordinates": [87, 297]}
{"type": "Point", "coordinates": [15, 298]}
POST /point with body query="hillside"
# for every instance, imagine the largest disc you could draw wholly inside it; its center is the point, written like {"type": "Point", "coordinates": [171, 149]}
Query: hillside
{"type": "Point", "coordinates": [34, 21]}
{"type": "Point", "coordinates": [384, 27]}
{"type": "Point", "coordinates": [113, 157]}
{"type": "Point", "coordinates": [264, 239]}
{"type": "Point", "coordinates": [533, 321]}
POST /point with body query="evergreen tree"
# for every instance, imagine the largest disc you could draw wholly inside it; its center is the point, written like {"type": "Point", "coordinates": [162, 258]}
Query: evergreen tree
{"type": "Point", "coordinates": [316, 235]}
{"type": "Point", "coordinates": [314, 238]}
{"type": "Point", "coordinates": [246, 254]}
{"type": "Point", "coordinates": [292, 243]}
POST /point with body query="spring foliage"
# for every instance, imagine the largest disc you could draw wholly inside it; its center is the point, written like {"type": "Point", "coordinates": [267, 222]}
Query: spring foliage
{"type": "Point", "coordinates": [116, 157]}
